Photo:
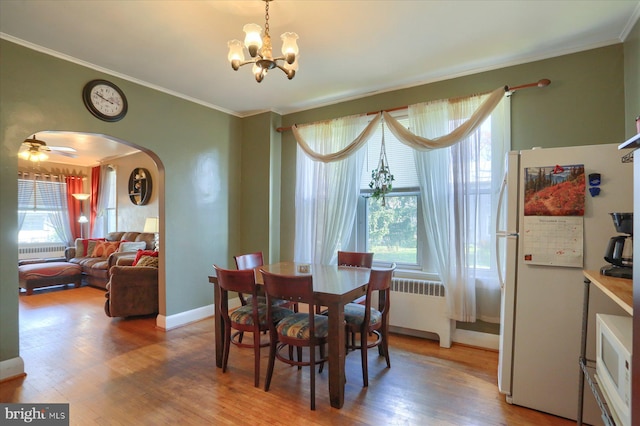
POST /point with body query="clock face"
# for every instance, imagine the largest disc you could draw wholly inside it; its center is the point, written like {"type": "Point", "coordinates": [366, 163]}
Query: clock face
{"type": "Point", "coordinates": [105, 100]}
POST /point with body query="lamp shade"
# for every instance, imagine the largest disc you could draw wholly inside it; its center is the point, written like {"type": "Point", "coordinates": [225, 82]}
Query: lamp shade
{"type": "Point", "coordinates": [235, 51]}
{"type": "Point", "coordinates": [289, 45]}
{"type": "Point", "coordinates": [253, 38]}
{"type": "Point", "coordinates": [81, 197]}
{"type": "Point", "coordinates": [83, 219]}
{"type": "Point", "coordinates": [151, 225]}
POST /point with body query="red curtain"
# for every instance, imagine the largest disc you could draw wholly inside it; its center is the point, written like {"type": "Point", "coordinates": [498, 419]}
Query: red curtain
{"type": "Point", "coordinates": [74, 186]}
{"type": "Point", "coordinates": [95, 189]}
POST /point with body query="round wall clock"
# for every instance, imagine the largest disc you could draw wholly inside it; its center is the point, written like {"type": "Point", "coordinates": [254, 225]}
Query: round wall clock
{"type": "Point", "coordinates": [104, 100]}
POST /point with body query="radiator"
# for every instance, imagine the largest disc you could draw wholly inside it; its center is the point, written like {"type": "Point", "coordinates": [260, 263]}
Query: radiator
{"type": "Point", "coordinates": [36, 251]}
{"type": "Point", "coordinates": [420, 305]}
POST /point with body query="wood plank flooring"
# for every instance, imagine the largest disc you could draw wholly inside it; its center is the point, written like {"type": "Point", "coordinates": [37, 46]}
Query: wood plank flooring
{"type": "Point", "coordinates": [127, 372]}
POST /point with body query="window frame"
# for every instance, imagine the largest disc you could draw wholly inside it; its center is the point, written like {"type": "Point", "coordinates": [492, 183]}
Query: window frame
{"type": "Point", "coordinates": [361, 243]}
{"type": "Point", "coordinates": [33, 208]}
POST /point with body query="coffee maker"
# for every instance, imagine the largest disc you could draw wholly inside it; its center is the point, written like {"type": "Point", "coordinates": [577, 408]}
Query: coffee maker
{"type": "Point", "coordinates": [620, 248]}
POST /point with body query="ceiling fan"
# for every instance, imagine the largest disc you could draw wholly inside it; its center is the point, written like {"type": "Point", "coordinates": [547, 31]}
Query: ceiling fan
{"type": "Point", "coordinates": [36, 150]}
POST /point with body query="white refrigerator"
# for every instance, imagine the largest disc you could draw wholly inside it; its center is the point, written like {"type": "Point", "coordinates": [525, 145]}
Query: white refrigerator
{"type": "Point", "coordinates": [541, 306]}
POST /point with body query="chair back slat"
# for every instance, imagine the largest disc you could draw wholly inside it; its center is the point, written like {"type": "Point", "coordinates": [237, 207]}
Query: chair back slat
{"type": "Point", "coordinates": [289, 287]}
{"type": "Point", "coordinates": [352, 258]}
{"type": "Point", "coordinates": [249, 261]}
{"type": "Point", "coordinates": [241, 281]}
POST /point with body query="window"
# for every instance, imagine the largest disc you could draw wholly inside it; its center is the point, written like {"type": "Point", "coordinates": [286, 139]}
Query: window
{"type": "Point", "coordinates": [393, 232]}
{"type": "Point", "coordinates": [396, 232]}
{"type": "Point", "coordinates": [40, 207]}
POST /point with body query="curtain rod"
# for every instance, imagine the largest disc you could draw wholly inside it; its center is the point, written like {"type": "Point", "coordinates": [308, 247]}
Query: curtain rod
{"type": "Point", "coordinates": [540, 83]}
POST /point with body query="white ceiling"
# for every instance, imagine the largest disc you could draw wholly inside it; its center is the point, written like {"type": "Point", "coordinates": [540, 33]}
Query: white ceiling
{"type": "Point", "coordinates": [348, 49]}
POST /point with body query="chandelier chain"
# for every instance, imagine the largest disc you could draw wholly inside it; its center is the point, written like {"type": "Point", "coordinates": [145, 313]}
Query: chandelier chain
{"type": "Point", "coordinates": [266, 18]}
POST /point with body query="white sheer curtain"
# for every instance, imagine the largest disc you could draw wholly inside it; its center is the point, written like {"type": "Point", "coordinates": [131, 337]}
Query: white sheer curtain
{"type": "Point", "coordinates": [56, 195]}
{"type": "Point", "coordinates": [26, 192]}
{"type": "Point", "coordinates": [327, 193]}
{"type": "Point", "coordinates": [445, 135]}
{"type": "Point", "coordinates": [451, 182]}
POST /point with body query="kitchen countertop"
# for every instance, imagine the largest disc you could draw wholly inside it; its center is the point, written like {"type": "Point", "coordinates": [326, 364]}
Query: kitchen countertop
{"type": "Point", "coordinates": [620, 290]}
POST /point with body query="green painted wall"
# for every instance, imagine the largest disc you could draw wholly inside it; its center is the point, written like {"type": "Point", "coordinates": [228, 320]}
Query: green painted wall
{"type": "Point", "coordinates": [197, 149]}
{"type": "Point", "coordinates": [584, 105]}
{"type": "Point", "coordinates": [255, 183]}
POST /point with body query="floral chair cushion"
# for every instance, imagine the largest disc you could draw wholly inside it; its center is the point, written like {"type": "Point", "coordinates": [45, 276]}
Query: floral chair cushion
{"type": "Point", "coordinates": [244, 314]}
{"type": "Point", "coordinates": [297, 326]}
{"type": "Point", "coordinates": [354, 314]}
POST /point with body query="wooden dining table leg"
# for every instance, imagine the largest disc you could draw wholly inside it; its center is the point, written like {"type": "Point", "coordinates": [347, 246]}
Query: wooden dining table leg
{"type": "Point", "coordinates": [218, 326]}
{"type": "Point", "coordinates": [337, 354]}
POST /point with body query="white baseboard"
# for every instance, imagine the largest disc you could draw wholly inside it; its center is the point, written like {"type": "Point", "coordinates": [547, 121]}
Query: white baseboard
{"type": "Point", "coordinates": [11, 368]}
{"type": "Point", "coordinates": [475, 338]}
{"type": "Point", "coordinates": [183, 318]}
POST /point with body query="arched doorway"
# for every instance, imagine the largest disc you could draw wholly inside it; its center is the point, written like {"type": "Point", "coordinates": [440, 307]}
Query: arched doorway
{"type": "Point", "coordinates": [88, 150]}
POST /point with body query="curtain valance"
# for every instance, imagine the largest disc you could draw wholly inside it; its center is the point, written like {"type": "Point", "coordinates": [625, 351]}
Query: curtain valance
{"type": "Point", "coordinates": [404, 135]}
{"type": "Point", "coordinates": [347, 151]}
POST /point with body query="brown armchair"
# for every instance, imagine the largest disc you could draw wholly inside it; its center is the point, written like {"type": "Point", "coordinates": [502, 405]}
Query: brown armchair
{"type": "Point", "coordinates": [131, 291]}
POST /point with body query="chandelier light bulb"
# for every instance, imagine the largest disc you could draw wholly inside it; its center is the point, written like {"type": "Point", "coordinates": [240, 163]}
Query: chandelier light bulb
{"type": "Point", "coordinates": [236, 53]}
{"type": "Point", "coordinates": [253, 38]}
{"type": "Point", "coordinates": [289, 46]}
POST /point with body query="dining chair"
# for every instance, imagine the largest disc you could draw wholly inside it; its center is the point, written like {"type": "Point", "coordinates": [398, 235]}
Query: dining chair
{"type": "Point", "coordinates": [251, 317]}
{"type": "Point", "coordinates": [252, 261]}
{"type": "Point", "coordinates": [299, 330]}
{"type": "Point", "coordinates": [358, 259]}
{"type": "Point", "coordinates": [248, 261]}
{"type": "Point", "coordinates": [366, 320]}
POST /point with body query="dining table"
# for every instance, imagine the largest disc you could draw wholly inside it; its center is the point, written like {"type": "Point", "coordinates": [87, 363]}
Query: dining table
{"type": "Point", "coordinates": [333, 287]}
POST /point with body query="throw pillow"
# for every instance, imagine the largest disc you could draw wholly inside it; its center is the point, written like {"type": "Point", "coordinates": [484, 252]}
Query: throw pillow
{"type": "Point", "coordinates": [148, 261]}
{"type": "Point", "coordinates": [144, 253]}
{"type": "Point", "coordinates": [84, 242]}
{"type": "Point", "coordinates": [105, 248]}
{"type": "Point", "coordinates": [91, 245]}
{"type": "Point", "coordinates": [132, 246]}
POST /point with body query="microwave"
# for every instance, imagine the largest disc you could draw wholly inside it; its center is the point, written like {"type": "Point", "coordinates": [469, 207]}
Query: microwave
{"type": "Point", "coordinates": [614, 335]}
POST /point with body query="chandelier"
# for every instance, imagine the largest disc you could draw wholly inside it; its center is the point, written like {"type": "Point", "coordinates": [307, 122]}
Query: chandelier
{"type": "Point", "coordinates": [261, 52]}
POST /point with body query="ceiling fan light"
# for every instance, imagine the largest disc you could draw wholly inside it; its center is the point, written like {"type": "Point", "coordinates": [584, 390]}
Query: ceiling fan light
{"type": "Point", "coordinates": [39, 156]}
{"type": "Point", "coordinates": [253, 38]}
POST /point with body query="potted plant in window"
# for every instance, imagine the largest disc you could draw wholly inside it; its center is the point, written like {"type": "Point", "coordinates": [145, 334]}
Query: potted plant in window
{"type": "Point", "coordinates": [381, 177]}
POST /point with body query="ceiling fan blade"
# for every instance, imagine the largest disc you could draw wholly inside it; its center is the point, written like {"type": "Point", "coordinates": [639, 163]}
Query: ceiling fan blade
{"type": "Point", "coordinates": [64, 153]}
{"type": "Point", "coordinates": [61, 148]}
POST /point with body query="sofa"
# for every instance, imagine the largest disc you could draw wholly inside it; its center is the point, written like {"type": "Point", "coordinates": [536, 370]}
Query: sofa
{"type": "Point", "coordinates": [132, 289]}
{"type": "Point", "coordinates": [96, 256]}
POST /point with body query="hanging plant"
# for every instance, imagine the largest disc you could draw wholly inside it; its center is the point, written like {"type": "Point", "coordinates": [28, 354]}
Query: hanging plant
{"type": "Point", "coordinates": [381, 177]}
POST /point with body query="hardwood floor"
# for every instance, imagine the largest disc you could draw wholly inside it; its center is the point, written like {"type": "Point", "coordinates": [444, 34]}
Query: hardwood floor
{"type": "Point", "coordinates": [127, 372]}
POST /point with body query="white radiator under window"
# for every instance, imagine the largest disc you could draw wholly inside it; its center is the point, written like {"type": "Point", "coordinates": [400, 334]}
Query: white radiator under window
{"type": "Point", "coordinates": [420, 305]}
{"type": "Point", "coordinates": [37, 251]}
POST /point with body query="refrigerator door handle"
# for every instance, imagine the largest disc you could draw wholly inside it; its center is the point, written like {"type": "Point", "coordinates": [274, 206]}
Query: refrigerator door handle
{"type": "Point", "coordinates": [503, 187]}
